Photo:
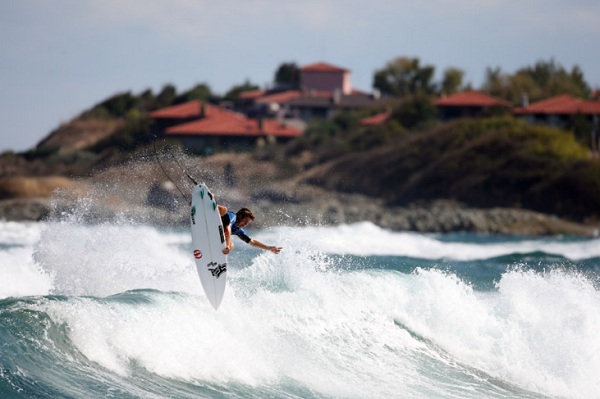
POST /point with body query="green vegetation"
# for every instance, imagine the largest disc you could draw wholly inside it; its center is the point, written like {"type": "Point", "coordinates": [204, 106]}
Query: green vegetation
{"type": "Point", "coordinates": [234, 93]}
{"type": "Point", "coordinates": [483, 162]}
{"type": "Point", "coordinates": [287, 76]}
{"type": "Point", "coordinates": [137, 132]}
{"type": "Point", "coordinates": [543, 80]}
{"type": "Point", "coordinates": [404, 76]}
{"type": "Point", "coordinates": [416, 112]}
{"type": "Point", "coordinates": [495, 161]}
{"type": "Point", "coordinates": [407, 79]}
{"type": "Point", "coordinates": [452, 81]}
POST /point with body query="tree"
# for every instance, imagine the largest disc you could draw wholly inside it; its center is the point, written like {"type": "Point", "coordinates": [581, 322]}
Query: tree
{"type": "Point", "coordinates": [510, 87]}
{"type": "Point", "coordinates": [544, 79]}
{"type": "Point", "coordinates": [404, 76]}
{"type": "Point", "coordinates": [200, 92]}
{"type": "Point", "coordinates": [146, 100]}
{"type": "Point", "coordinates": [553, 79]}
{"type": "Point", "coordinates": [235, 91]}
{"type": "Point", "coordinates": [452, 80]}
{"type": "Point", "coordinates": [287, 76]}
{"type": "Point", "coordinates": [416, 112]}
{"type": "Point", "coordinates": [166, 96]}
{"type": "Point", "coordinates": [494, 82]}
{"type": "Point", "coordinates": [118, 105]}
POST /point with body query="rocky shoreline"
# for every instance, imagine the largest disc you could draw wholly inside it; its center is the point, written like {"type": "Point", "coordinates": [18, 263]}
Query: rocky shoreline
{"type": "Point", "coordinates": [297, 205]}
{"type": "Point", "coordinates": [140, 192]}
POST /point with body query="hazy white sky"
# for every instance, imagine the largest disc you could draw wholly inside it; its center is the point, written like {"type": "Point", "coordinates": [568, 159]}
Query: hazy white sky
{"type": "Point", "coordinates": [60, 57]}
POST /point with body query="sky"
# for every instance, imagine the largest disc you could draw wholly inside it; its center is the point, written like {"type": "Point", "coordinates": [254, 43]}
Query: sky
{"type": "Point", "coordinates": [61, 57]}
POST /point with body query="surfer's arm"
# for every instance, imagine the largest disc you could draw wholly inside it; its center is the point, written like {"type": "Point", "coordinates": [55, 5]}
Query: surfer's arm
{"type": "Point", "coordinates": [226, 229]}
{"type": "Point", "coordinates": [260, 245]}
{"type": "Point", "coordinates": [228, 243]}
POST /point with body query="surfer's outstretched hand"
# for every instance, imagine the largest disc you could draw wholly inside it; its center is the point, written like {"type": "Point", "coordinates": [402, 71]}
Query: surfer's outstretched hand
{"type": "Point", "coordinates": [275, 249]}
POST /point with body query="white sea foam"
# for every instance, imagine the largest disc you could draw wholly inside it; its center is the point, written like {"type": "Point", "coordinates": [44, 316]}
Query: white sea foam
{"type": "Point", "coordinates": [368, 239]}
{"type": "Point", "coordinates": [539, 331]}
{"type": "Point", "coordinates": [19, 275]}
{"type": "Point", "coordinates": [299, 316]}
{"type": "Point", "coordinates": [109, 258]}
{"type": "Point", "coordinates": [19, 233]}
{"type": "Point", "coordinates": [106, 259]}
{"type": "Point", "coordinates": [356, 334]}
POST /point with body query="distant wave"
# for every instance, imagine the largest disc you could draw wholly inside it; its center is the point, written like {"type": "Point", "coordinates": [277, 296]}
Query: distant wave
{"type": "Point", "coordinates": [368, 239]}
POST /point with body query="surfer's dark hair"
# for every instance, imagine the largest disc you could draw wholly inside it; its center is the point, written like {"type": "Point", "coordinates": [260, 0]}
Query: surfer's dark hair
{"type": "Point", "coordinates": [244, 213]}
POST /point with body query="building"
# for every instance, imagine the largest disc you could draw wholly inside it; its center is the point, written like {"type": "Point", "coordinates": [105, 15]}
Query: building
{"type": "Point", "coordinates": [203, 127]}
{"type": "Point", "coordinates": [322, 77]}
{"type": "Point", "coordinates": [324, 91]}
{"type": "Point", "coordinates": [470, 104]}
{"type": "Point", "coordinates": [559, 111]}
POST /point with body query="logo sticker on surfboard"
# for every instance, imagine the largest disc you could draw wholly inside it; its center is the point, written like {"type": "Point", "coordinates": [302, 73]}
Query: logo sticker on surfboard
{"type": "Point", "coordinates": [197, 254]}
{"type": "Point", "coordinates": [217, 269]}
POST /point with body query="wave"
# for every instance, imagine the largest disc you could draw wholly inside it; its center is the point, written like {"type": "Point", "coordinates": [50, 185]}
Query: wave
{"type": "Point", "coordinates": [288, 330]}
{"type": "Point", "coordinates": [121, 313]}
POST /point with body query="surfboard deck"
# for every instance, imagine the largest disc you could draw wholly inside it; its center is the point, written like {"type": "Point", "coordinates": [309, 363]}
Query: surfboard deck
{"type": "Point", "coordinates": [208, 242]}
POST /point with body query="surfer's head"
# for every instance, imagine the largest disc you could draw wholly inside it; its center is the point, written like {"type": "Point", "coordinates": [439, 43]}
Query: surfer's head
{"type": "Point", "coordinates": [243, 217]}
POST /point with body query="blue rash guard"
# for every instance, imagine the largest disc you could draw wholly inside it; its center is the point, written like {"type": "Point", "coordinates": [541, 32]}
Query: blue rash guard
{"type": "Point", "coordinates": [229, 220]}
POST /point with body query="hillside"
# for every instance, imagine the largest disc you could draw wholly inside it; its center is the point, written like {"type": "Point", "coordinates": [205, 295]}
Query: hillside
{"type": "Point", "coordinates": [482, 163]}
{"type": "Point", "coordinates": [468, 175]}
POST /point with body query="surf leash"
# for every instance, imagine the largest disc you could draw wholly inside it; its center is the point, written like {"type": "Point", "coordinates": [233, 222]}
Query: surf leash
{"type": "Point", "coordinates": [184, 170]}
{"type": "Point", "coordinates": [169, 177]}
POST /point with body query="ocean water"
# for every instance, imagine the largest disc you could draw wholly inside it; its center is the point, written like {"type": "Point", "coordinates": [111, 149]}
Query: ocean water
{"type": "Point", "coordinates": [116, 310]}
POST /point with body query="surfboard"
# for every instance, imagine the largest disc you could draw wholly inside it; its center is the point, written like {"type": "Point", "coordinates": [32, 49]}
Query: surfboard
{"type": "Point", "coordinates": [208, 242]}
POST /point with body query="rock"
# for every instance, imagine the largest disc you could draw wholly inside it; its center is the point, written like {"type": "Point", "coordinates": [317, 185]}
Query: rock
{"type": "Point", "coordinates": [20, 209]}
{"type": "Point", "coordinates": [136, 192]}
{"type": "Point", "coordinates": [35, 187]}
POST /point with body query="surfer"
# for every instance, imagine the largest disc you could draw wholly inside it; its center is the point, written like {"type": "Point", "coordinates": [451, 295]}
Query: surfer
{"type": "Point", "coordinates": [234, 223]}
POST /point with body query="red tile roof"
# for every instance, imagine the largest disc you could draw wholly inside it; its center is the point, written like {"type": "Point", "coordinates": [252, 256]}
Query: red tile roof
{"type": "Point", "coordinates": [563, 105]}
{"type": "Point", "coordinates": [280, 98]}
{"type": "Point", "coordinates": [221, 122]}
{"type": "Point", "coordinates": [375, 120]}
{"type": "Point", "coordinates": [251, 94]}
{"type": "Point", "coordinates": [186, 110]}
{"type": "Point", "coordinates": [471, 99]}
{"type": "Point", "coordinates": [224, 126]}
{"type": "Point", "coordinates": [322, 67]}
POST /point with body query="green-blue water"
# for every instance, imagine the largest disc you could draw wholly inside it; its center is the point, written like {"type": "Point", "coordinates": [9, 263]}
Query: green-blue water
{"type": "Point", "coordinates": [117, 311]}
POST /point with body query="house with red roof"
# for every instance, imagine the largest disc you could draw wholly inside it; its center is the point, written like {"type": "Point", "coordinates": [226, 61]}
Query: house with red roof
{"type": "Point", "coordinates": [470, 104]}
{"type": "Point", "coordinates": [180, 113]}
{"type": "Point", "coordinates": [324, 77]}
{"type": "Point", "coordinates": [559, 111]}
{"type": "Point", "coordinates": [325, 89]}
{"type": "Point", "coordinates": [203, 126]}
